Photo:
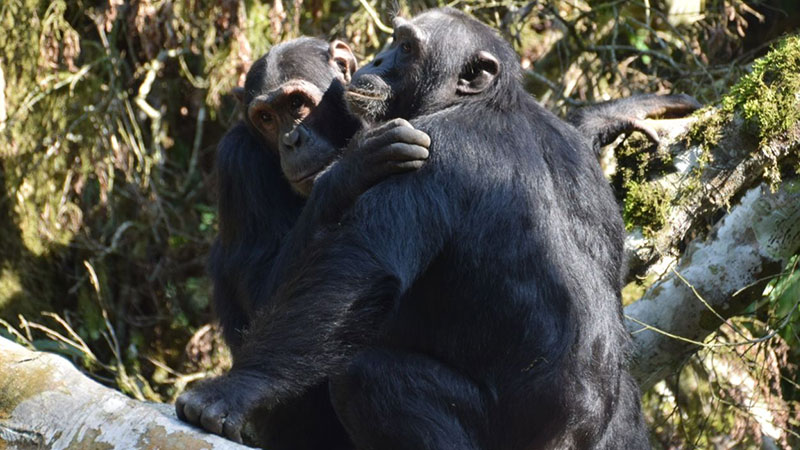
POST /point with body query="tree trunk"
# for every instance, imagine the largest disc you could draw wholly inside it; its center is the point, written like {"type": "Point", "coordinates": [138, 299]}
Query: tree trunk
{"type": "Point", "coordinates": [714, 280]}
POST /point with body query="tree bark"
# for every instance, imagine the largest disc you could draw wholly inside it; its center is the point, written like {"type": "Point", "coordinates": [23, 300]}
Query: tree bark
{"type": "Point", "coordinates": [714, 280]}
{"type": "Point", "coordinates": [45, 402]}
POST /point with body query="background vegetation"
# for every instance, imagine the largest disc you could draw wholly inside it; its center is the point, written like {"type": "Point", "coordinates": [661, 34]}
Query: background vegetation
{"type": "Point", "coordinates": [109, 116]}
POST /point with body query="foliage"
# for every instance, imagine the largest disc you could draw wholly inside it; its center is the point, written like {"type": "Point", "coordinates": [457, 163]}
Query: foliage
{"type": "Point", "coordinates": [729, 395]}
{"type": "Point", "coordinates": [110, 111]}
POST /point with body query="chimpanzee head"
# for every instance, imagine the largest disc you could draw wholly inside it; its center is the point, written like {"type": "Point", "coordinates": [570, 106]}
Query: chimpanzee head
{"type": "Point", "coordinates": [438, 59]}
{"type": "Point", "coordinates": [293, 99]}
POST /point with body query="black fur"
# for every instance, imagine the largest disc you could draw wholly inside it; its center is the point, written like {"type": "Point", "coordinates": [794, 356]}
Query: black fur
{"type": "Point", "coordinates": [603, 122]}
{"type": "Point", "coordinates": [471, 304]}
{"type": "Point", "coordinates": [258, 208]}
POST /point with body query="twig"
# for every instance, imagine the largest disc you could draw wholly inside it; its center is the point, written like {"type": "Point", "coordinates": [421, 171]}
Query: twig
{"type": "Point", "coordinates": [374, 14]}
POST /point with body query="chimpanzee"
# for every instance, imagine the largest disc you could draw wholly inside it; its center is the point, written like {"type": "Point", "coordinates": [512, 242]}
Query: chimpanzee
{"type": "Point", "coordinates": [296, 125]}
{"type": "Point", "coordinates": [473, 303]}
{"type": "Point", "coordinates": [258, 204]}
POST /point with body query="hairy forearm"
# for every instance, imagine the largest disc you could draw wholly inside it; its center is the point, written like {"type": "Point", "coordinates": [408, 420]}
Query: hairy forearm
{"type": "Point", "coordinates": [310, 327]}
{"type": "Point", "coordinates": [332, 195]}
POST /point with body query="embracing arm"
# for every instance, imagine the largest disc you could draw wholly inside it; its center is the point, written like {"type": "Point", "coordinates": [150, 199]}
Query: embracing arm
{"type": "Point", "coordinates": [372, 156]}
{"type": "Point", "coordinates": [332, 304]}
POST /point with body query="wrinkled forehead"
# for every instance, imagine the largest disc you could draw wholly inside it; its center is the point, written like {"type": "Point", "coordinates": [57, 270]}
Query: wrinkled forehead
{"type": "Point", "coordinates": [428, 25]}
{"type": "Point", "coordinates": [301, 59]}
{"type": "Point", "coordinates": [453, 35]}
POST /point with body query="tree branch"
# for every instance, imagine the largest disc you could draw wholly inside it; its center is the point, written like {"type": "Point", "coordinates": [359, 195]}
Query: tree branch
{"type": "Point", "coordinates": [714, 280]}
{"type": "Point", "coordinates": [45, 402]}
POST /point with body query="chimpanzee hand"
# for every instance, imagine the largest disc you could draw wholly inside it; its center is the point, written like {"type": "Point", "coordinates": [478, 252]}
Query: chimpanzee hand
{"type": "Point", "coordinates": [392, 148]}
{"type": "Point", "coordinates": [222, 405]}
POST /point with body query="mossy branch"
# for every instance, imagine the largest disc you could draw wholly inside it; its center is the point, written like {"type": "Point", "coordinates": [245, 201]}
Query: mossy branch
{"type": "Point", "coordinates": [714, 157]}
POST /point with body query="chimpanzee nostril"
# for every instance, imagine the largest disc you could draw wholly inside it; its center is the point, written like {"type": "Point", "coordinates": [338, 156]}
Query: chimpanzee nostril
{"type": "Point", "coordinates": [377, 62]}
{"type": "Point", "coordinates": [292, 138]}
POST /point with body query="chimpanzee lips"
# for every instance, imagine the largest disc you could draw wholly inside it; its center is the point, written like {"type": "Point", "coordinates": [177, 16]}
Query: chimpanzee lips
{"type": "Point", "coordinates": [367, 96]}
{"type": "Point", "coordinates": [368, 87]}
{"type": "Point", "coordinates": [309, 175]}
{"type": "Point", "coordinates": [358, 94]}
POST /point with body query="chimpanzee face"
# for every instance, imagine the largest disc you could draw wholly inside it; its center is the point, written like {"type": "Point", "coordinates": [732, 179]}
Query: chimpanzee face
{"type": "Point", "coordinates": [293, 97]}
{"type": "Point", "coordinates": [432, 63]}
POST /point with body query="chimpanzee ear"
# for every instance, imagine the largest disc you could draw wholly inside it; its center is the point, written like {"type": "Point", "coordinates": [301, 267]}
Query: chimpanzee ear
{"type": "Point", "coordinates": [238, 92]}
{"type": "Point", "coordinates": [478, 73]}
{"type": "Point", "coordinates": [343, 57]}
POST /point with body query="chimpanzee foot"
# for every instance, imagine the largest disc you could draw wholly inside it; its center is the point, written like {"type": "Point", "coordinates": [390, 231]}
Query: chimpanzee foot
{"type": "Point", "coordinates": [643, 127]}
{"type": "Point", "coordinates": [222, 405]}
{"type": "Point", "coordinates": [665, 106]}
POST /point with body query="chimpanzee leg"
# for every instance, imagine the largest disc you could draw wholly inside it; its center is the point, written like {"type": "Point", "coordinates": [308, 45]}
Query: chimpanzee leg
{"type": "Point", "coordinates": [304, 423]}
{"type": "Point", "coordinates": [396, 400]}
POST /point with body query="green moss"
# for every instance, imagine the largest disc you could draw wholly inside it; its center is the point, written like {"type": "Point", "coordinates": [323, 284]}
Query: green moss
{"type": "Point", "coordinates": [10, 285]}
{"type": "Point", "coordinates": [768, 98]}
{"type": "Point", "coordinates": [707, 131]}
{"type": "Point", "coordinates": [645, 202]}
{"type": "Point", "coordinates": [646, 206]}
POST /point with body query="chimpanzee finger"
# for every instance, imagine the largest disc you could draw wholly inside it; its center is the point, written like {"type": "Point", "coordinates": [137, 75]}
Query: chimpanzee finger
{"type": "Point", "coordinates": [674, 105]}
{"type": "Point", "coordinates": [397, 167]}
{"type": "Point", "coordinates": [180, 403]}
{"type": "Point", "coordinates": [650, 132]}
{"type": "Point", "coordinates": [681, 105]}
{"type": "Point", "coordinates": [213, 418]}
{"type": "Point", "coordinates": [402, 152]}
{"type": "Point", "coordinates": [401, 135]}
{"type": "Point", "coordinates": [381, 129]}
{"type": "Point", "coordinates": [232, 428]}
{"type": "Point", "coordinates": [394, 123]}
{"type": "Point", "coordinates": [191, 409]}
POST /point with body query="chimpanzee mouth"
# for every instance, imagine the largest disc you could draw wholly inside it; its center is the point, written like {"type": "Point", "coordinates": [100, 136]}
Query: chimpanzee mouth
{"type": "Point", "coordinates": [358, 94]}
{"type": "Point", "coordinates": [368, 88]}
{"type": "Point", "coordinates": [307, 176]}
{"type": "Point", "coordinates": [368, 96]}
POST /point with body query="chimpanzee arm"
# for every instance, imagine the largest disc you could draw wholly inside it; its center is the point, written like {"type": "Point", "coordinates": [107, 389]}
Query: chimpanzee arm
{"type": "Point", "coordinates": [257, 207]}
{"type": "Point", "coordinates": [332, 304]}
{"type": "Point", "coordinates": [372, 156]}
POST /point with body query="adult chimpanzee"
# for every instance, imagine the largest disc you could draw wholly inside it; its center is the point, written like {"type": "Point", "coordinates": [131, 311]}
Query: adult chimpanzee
{"type": "Point", "coordinates": [470, 304]}
{"type": "Point", "coordinates": [296, 125]}
{"type": "Point", "coordinates": [263, 182]}
{"type": "Point", "coordinates": [258, 205]}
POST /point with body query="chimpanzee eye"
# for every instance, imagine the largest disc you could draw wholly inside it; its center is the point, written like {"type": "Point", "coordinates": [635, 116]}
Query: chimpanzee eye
{"type": "Point", "coordinates": [295, 101]}
{"type": "Point", "coordinates": [405, 47]}
{"type": "Point", "coordinates": [265, 117]}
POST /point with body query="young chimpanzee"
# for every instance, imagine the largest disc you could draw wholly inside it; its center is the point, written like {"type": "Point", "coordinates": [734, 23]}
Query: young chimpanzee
{"type": "Point", "coordinates": [473, 303]}
{"type": "Point", "coordinates": [295, 129]}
